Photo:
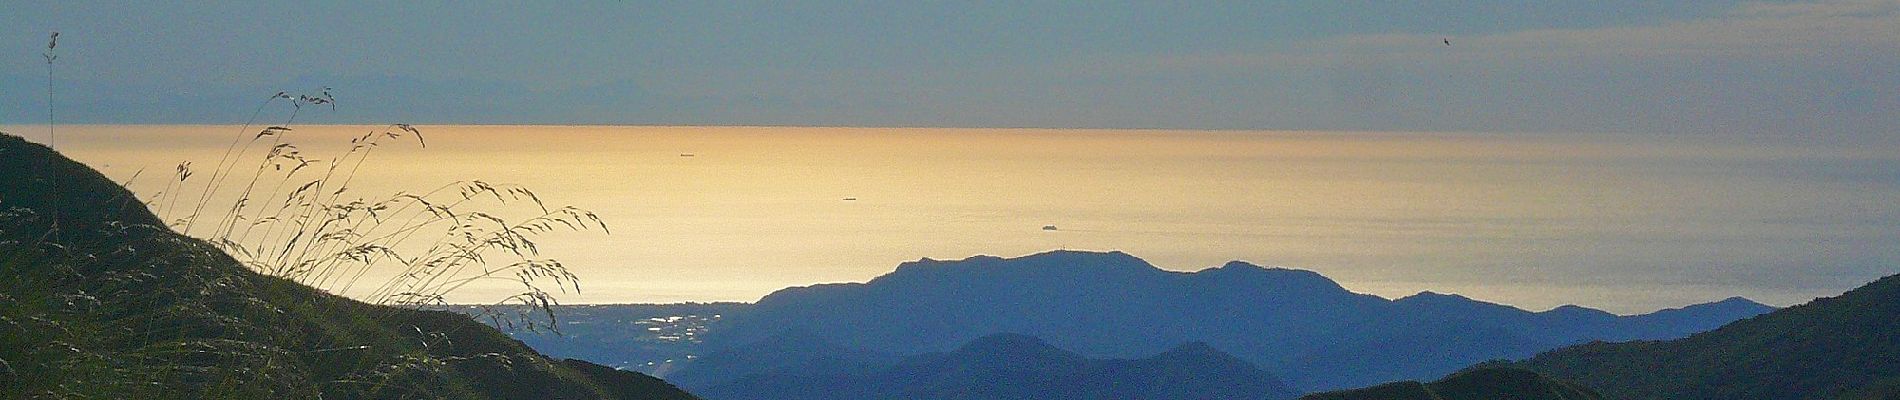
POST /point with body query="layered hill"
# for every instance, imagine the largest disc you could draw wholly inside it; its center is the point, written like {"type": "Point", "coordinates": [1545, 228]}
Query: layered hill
{"type": "Point", "coordinates": [99, 300]}
{"type": "Point", "coordinates": [1011, 366]}
{"type": "Point", "coordinates": [1296, 324]}
{"type": "Point", "coordinates": [1477, 384]}
{"type": "Point", "coordinates": [1838, 347]}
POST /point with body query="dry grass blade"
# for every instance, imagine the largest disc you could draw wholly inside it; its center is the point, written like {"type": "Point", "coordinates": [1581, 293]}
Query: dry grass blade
{"type": "Point", "coordinates": [418, 248]}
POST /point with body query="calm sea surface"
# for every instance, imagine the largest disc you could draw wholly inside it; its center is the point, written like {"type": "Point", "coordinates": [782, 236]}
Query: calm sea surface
{"type": "Point", "coordinates": [1623, 222]}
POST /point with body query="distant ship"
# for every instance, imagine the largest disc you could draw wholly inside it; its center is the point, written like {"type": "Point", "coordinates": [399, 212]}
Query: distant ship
{"type": "Point", "coordinates": [1048, 227]}
{"type": "Point", "coordinates": [850, 199]}
{"type": "Point", "coordinates": [686, 154]}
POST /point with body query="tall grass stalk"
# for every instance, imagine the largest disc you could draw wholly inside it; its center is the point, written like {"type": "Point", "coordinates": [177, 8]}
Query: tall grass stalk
{"type": "Point", "coordinates": [52, 43]}
{"type": "Point", "coordinates": [296, 217]}
{"type": "Point", "coordinates": [52, 140]}
{"type": "Point", "coordinates": [138, 312]}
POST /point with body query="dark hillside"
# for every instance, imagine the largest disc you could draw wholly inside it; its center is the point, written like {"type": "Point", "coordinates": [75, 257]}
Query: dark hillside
{"type": "Point", "coordinates": [1476, 384]}
{"type": "Point", "coordinates": [1846, 346]}
{"type": "Point", "coordinates": [114, 305]}
{"type": "Point", "coordinates": [1012, 366]}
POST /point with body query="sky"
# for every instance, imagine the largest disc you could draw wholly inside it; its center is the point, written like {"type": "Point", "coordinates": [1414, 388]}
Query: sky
{"type": "Point", "coordinates": [1816, 71]}
{"type": "Point", "coordinates": [1631, 155]}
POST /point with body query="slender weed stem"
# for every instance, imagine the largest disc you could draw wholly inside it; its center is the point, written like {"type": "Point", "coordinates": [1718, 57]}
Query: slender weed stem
{"type": "Point", "coordinates": [298, 218]}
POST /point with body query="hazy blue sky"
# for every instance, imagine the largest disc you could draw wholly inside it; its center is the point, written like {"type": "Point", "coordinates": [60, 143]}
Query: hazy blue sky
{"type": "Point", "coordinates": [1825, 70]}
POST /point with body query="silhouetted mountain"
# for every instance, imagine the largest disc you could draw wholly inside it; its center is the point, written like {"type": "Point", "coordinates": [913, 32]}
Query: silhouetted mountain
{"type": "Point", "coordinates": [1691, 319]}
{"type": "Point", "coordinates": [1839, 347]}
{"type": "Point", "coordinates": [114, 305]}
{"type": "Point", "coordinates": [1012, 366]}
{"type": "Point", "coordinates": [1296, 324]}
{"type": "Point", "coordinates": [1477, 384]}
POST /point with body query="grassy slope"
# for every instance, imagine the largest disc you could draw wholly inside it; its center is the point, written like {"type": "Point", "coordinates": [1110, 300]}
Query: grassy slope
{"type": "Point", "coordinates": [1839, 347]}
{"type": "Point", "coordinates": [116, 306]}
{"type": "Point", "coordinates": [1476, 384]}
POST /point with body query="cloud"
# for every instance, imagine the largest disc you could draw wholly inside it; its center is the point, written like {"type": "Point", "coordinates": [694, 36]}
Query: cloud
{"type": "Point", "coordinates": [1845, 8]}
{"type": "Point", "coordinates": [1750, 30]}
{"type": "Point", "coordinates": [1715, 66]}
{"type": "Point", "coordinates": [1819, 69]}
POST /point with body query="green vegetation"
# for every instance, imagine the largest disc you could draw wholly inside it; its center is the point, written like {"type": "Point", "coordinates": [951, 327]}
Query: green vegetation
{"type": "Point", "coordinates": [1839, 347]}
{"type": "Point", "coordinates": [111, 304]}
{"type": "Point", "coordinates": [1476, 384]}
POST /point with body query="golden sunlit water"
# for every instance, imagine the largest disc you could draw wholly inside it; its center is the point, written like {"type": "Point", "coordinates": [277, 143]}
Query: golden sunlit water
{"type": "Point", "coordinates": [733, 213]}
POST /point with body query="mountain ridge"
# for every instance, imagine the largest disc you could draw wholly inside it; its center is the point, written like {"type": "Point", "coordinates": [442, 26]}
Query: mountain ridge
{"type": "Point", "coordinates": [1833, 347]}
{"type": "Point", "coordinates": [1294, 323]}
{"type": "Point", "coordinates": [1016, 366]}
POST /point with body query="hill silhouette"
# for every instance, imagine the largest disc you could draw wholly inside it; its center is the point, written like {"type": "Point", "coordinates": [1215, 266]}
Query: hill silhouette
{"type": "Point", "coordinates": [1297, 324]}
{"type": "Point", "coordinates": [111, 304]}
{"type": "Point", "coordinates": [1836, 347]}
{"type": "Point", "coordinates": [1476, 384]}
{"type": "Point", "coordinates": [1012, 366]}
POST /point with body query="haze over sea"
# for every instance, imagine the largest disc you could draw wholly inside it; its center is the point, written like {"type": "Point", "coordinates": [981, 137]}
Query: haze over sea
{"type": "Point", "coordinates": [1627, 223]}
